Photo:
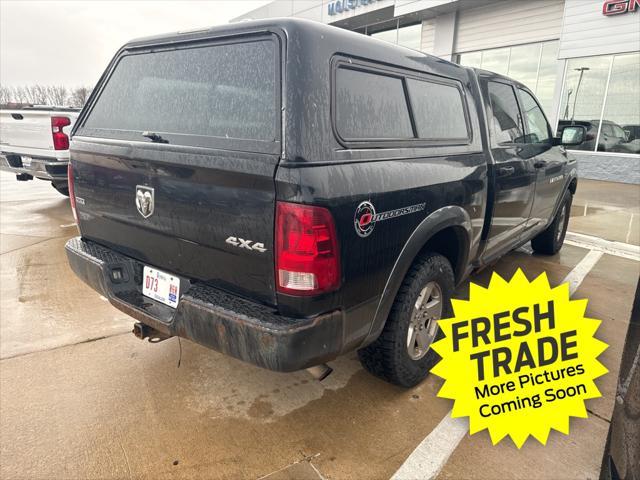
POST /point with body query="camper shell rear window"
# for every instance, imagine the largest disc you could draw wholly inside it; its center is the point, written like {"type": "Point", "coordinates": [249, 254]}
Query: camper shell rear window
{"type": "Point", "coordinates": [193, 95]}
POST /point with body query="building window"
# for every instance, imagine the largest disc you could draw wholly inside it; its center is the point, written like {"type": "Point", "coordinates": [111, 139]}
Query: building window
{"type": "Point", "coordinates": [496, 60]}
{"type": "Point", "coordinates": [523, 64]}
{"type": "Point", "coordinates": [409, 36]}
{"type": "Point", "coordinates": [534, 65]}
{"type": "Point", "coordinates": [603, 94]}
{"type": "Point", "coordinates": [387, 35]}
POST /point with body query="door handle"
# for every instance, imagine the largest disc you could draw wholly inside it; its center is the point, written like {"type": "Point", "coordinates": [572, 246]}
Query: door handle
{"type": "Point", "coordinates": [505, 171]}
{"type": "Point", "coordinates": [540, 164]}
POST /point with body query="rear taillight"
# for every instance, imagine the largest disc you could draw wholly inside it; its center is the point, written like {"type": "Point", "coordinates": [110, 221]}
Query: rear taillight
{"type": "Point", "coordinates": [72, 195]}
{"type": "Point", "coordinates": [60, 139]}
{"type": "Point", "coordinates": [307, 257]}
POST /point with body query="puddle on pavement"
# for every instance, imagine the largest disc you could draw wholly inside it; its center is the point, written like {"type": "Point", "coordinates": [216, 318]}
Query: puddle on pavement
{"type": "Point", "coordinates": [617, 224]}
{"type": "Point", "coordinates": [583, 211]}
{"type": "Point", "coordinates": [121, 395]}
{"type": "Point", "coordinates": [257, 393]}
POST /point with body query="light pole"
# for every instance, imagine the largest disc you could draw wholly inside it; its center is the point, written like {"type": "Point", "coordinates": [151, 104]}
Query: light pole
{"type": "Point", "coordinates": [581, 70]}
{"type": "Point", "coordinates": [566, 107]}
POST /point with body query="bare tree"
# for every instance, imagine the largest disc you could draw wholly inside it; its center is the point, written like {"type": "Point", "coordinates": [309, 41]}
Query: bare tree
{"type": "Point", "coordinates": [5, 95]}
{"type": "Point", "coordinates": [21, 94]}
{"type": "Point", "coordinates": [39, 94]}
{"type": "Point", "coordinates": [79, 96]}
{"type": "Point", "coordinates": [25, 93]}
{"type": "Point", "coordinates": [55, 95]}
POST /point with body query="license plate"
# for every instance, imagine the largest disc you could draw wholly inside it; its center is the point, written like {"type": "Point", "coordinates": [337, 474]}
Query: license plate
{"type": "Point", "coordinates": [161, 286]}
{"type": "Point", "coordinates": [26, 161]}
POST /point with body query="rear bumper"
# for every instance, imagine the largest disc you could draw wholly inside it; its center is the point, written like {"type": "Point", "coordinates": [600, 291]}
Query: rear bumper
{"type": "Point", "coordinates": [43, 168]}
{"type": "Point", "coordinates": [229, 324]}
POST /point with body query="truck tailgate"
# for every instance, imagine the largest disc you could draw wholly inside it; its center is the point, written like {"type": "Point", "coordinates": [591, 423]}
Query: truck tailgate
{"type": "Point", "coordinates": [28, 131]}
{"type": "Point", "coordinates": [200, 201]}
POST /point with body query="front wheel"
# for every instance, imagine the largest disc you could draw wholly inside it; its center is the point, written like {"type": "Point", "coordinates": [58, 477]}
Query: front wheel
{"type": "Point", "coordinates": [402, 353]}
{"type": "Point", "coordinates": [550, 241]}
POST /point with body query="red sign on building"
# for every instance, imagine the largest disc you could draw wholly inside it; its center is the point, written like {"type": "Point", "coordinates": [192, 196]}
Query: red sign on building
{"type": "Point", "coordinates": [616, 7]}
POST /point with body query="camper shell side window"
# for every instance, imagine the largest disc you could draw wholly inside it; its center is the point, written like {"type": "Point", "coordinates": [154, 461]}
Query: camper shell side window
{"type": "Point", "coordinates": [374, 106]}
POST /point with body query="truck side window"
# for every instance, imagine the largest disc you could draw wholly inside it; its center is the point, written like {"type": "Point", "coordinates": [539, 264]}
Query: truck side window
{"type": "Point", "coordinates": [536, 121]}
{"type": "Point", "coordinates": [371, 106]}
{"type": "Point", "coordinates": [618, 132]}
{"type": "Point", "coordinates": [607, 129]}
{"type": "Point", "coordinates": [506, 123]}
{"type": "Point", "coordinates": [438, 110]}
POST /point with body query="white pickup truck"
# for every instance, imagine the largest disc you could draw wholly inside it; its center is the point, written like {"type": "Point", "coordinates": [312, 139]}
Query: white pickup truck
{"type": "Point", "coordinates": [34, 142]}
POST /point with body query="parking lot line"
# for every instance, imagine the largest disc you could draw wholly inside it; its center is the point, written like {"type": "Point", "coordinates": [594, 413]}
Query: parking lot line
{"type": "Point", "coordinates": [584, 266]}
{"type": "Point", "coordinates": [617, 249]}
{"type": "Point", "coordinates": [628, 237]}
{"type": "Point", "coordinates": [431, 455]}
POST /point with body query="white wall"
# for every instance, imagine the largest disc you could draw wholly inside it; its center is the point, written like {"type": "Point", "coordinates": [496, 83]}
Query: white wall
{"type": "Point", "coordinates": [444, 37]}
{"type": "Point", "coordinates": [309, 9]}
{"type": "Point", "coordinates": [586, 31]}
{"type": "Point", "coordinates": [428, 36]}
{"type": "Point", "coordinates": [508, 23]}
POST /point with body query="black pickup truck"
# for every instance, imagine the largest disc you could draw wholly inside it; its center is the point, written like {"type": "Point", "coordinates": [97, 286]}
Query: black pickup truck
{"type": "Point", "coordinates": [285, 191]}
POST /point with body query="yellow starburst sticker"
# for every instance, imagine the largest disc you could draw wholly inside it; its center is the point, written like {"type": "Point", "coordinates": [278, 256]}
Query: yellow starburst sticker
{"type": "Point", "coordinates": [519, 358]}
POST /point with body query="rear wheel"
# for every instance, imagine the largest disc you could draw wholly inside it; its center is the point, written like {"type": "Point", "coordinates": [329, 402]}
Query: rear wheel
{"type": "Point", "coordinates": [62, 187]}
{"type": "Point", "coordinates": [402, 353]}
{"type": "Point", "coordinates": [550, 241]}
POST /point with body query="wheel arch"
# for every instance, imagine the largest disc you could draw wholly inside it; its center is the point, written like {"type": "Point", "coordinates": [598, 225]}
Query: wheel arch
{"type": "Point", "coordinates": [446, 231]}
{"type": "Point", "coordinates": [571, 186]}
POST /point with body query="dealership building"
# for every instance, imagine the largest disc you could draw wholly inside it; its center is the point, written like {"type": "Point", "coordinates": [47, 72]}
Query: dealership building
{"type": "Point", "coordinates": [580, 57]}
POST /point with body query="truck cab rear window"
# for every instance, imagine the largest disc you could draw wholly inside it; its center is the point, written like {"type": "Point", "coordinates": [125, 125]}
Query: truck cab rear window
{"type": "Point", "coordinates": [225, 90]}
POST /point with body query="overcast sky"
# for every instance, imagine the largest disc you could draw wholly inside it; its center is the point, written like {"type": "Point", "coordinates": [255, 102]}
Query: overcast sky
{"type": "Point", "coordinates": [71, 42]}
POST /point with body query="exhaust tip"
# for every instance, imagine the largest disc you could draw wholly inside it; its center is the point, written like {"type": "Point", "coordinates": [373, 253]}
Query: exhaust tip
{"type": "Point", "coordinates": [320, 372]}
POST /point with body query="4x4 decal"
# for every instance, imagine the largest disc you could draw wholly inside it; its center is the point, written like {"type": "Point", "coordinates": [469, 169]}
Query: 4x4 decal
{"type": "Point", "coordinates": [366, 217]}
{"type": "Point", "coordinates": [247, 244]}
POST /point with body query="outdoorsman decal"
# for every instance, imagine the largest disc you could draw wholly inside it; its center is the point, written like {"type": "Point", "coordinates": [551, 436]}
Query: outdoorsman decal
{"type": "Point", "coordinates": [366, 217]}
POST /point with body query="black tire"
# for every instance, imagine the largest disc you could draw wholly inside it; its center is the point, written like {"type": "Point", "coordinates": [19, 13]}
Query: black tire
{"type": "Point", "coordinates": [62, 188]}
{"type": "Point", "coordinates": [388, 356]}
{"type": "Point", "coordinates": [549, 242]}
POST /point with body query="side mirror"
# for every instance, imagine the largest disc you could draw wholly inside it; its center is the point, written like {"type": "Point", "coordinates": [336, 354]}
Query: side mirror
{"type": "Point", "coordinates": [573, 135]}
{"type": "Point", "coordinates": [627, 135]}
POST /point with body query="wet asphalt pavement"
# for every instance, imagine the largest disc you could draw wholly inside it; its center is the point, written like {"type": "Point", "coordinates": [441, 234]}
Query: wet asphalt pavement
{"type": "Point", "coordinates": [81, 397]}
